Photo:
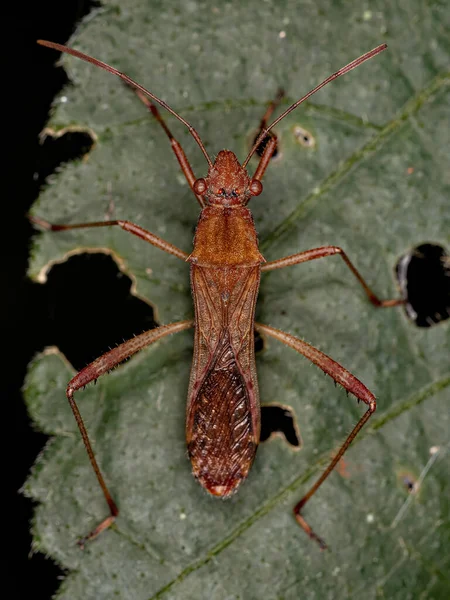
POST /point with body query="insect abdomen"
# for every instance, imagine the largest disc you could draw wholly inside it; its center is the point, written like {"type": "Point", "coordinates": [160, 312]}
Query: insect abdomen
{"type": "Point", "coordinates": [221, 443]}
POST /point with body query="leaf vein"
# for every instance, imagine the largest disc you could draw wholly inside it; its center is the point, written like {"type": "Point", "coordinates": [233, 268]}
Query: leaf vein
{"type": "Point", "coordinates": [424, 394]}
{"type": "Point", "coordinates": [392, 127]}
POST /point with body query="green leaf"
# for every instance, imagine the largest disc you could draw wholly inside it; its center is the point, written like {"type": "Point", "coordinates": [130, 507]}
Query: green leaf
{"type": "Point", "coordinates": [376, 183]}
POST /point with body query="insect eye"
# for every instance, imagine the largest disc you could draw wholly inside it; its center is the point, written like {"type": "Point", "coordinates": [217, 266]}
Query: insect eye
{"type": "Point", "coordinates": [256, 187]}
{"type": "Point", "coordinates": [200, 186]}
{"type": "Point", "coordinates": [221, 192]}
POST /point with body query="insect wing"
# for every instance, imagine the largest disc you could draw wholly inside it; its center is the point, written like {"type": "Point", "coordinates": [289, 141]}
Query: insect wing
{"type": "Point", "coordinates": [223, 414]}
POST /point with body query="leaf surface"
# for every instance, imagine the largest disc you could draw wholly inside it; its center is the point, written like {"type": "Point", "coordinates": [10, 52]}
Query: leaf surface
{"type": "Point", "coordinates": [376, 183]}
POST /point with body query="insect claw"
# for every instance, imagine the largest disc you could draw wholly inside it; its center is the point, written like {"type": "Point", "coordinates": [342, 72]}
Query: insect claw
{"type": "Point", "coordinates": [81, 543]}
{"type": "Point", "coordinates": [321, 542]}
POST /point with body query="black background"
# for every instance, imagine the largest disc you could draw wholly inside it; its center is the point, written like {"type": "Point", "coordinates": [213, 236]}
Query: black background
{"type": "Point", "coordinates": [84, 308]}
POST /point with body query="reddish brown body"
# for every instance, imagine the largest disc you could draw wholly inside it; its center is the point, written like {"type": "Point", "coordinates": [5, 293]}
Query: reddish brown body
{"type": "Point", "coordinates": [223, 414]}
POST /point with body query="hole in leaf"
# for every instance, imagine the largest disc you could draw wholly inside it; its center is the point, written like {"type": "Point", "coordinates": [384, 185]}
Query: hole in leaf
{"type": "Point", "coordinates": [259, 342]}
{"type": "Point", "coordinates": [62, 147]}
{"type": "Point", "coordinates": [91, 309]}
{"type": "Point", "coordinates": [304, 137]}
{"type": "Point", "coordinates": [424, 279]}
{"type": "Point", "coordinates": [407, 481]}
{"type": "Point", "coordinates": [262, 146]}
{"type": "Point", "coordinates": [277, 419]}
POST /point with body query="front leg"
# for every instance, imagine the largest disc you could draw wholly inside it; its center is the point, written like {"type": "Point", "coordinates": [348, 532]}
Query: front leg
{"type": "Point", "coordinates": [350, 383]}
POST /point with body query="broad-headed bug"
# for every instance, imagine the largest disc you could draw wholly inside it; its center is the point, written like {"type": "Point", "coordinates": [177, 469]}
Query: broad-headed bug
{"type": "Point", "coordinates": [223, 412]}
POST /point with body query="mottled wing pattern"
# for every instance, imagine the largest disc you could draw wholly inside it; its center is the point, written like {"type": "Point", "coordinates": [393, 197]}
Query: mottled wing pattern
{"type": "Point", "coordinates": [223, 419]}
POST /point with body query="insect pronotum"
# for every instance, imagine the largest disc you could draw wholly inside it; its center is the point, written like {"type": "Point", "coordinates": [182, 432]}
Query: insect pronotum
{"type": "Point", "coordinates": [223, 411]}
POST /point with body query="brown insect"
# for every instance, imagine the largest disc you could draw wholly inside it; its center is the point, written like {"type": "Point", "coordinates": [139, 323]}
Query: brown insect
{"type": "Point", "coordinates": [223, 411]}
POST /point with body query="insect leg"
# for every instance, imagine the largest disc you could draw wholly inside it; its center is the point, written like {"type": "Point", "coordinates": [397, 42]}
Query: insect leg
{"type": "Point", "coordinates": [126, 225]}
{"type": "Point", "coordinates": [264, 120]}
{"type": "Point", "coordinates": [268, 145]}
{"type": "Point", "coordinates": [92, 372]}
{"type": "Point", "coordinates": [176, 146]}
{"type": "Point", "coordinates": [300, 257]}
{"type": "Point", "coordinates": [272, 106]}
{"type": "Point", "coordinates": [350, 383]}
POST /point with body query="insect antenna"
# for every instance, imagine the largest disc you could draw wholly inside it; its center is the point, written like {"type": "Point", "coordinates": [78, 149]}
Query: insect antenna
{"type": "Point", "coordinates": [130, 82]}
{"type": "Point", "coordinates": [355, 63]}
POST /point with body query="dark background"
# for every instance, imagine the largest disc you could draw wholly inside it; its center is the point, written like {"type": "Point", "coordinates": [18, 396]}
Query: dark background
{"type": "Point", "coordinates": [33, 316]}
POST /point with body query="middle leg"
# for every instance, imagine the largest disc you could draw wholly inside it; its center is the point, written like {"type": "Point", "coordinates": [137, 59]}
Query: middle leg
{"type": "Point", "coordinates": [145, 235]}
{"type": "Point", "coordinates": [308, 255]}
